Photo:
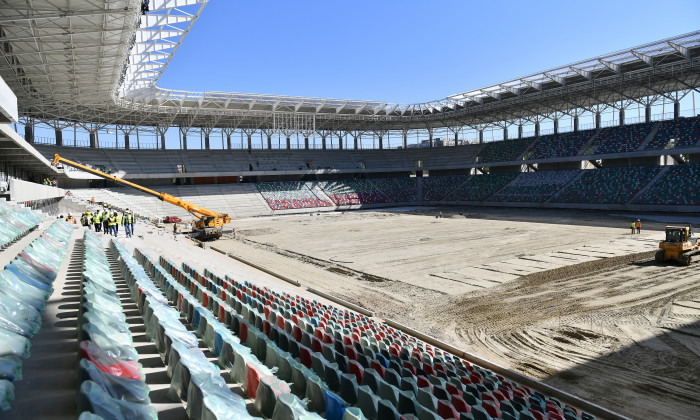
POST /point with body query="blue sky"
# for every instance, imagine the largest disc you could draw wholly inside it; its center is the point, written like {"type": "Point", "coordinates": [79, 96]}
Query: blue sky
{"type": "Point", "coordinates": [405, 51]}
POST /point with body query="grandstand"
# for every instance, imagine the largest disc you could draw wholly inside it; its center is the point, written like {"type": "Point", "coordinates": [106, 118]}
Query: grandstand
{"type": "Point", "coordinates": [329, 313]}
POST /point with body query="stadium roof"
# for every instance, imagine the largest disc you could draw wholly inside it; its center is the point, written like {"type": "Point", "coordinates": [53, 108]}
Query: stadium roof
{"type": "Point", "coordinates": [97, 62]}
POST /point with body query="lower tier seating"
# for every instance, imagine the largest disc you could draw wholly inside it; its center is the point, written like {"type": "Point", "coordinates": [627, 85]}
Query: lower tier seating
{"type": "Point", "coordinates": [398, 189]}
{"type": "Point", "coordinates": [436, 188]}
{"type": "Point", "coordinates": [607, 185]}
{"type": "Point", "coordinates": [25, 287]}
{"type": "Point", "coordinates": [536, 187]}
{"type": "Point", "coordinates": [353, 191]}
{"type": "Point", "coordinates": [680, 185]}
{"type": "Point", "coordinates": [481, 187]}
{"type": "Point", "coordinates": [290, 195]}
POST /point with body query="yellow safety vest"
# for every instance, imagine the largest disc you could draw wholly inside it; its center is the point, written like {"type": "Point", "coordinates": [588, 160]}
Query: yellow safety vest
{"type": "Point", "coordinates": [112, 221]}
{"type": "Point", "coordinates": [96, 218]}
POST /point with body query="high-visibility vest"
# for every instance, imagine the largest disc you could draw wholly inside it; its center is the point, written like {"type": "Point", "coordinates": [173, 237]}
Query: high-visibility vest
{"type": "Point", "coordinates": [112, 221]}
{"type": "Point", "coordinates": [127, 218]}
{"type": "Point", "coordinates": [104, 216]}
{"type": "Point", "coordinates": [96, 218]}
{"type": "Point", "coordinates": [88, 214]}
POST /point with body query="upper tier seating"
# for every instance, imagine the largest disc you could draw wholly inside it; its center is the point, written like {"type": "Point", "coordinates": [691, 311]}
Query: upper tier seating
{"type": "Point", "coordinates": [607, 185]}
{"type": "Point", "coordinates": [435, 188]}
{"type": "Point", "coordinates": [680, 185]}
{"type": "Point", "coordinates": [353, 191]}
{"type": "Point", "coordinates": [290, 195]}
{"type": "Point", "coordinates": [504, 151]}
{"type": "Point", "coordinates": [626, 138]}
{"type": "Point", "coordinates": [560, 145]}
{"type": "Point", "coordinates": [536, 187]}
{"type": "Point", "coordinates": [481, 187]}
{"type": "Point", "coordinates": [683, 132]}
{"type": "Point", "coordinates": [398, 189]}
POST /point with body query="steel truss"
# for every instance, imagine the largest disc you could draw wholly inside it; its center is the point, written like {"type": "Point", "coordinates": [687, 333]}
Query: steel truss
{"type": "Point", "coordinates": [95, 63]}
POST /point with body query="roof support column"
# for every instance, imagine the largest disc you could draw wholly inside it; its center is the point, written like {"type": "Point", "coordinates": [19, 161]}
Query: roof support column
{"type": "Point", "coordinates": [228, 131]}
{"type": "Point", "coordinates": [323, 141]}
{"type": "Point", "coordinates": [556, 125]}
{"type": "Point", "coordinates": [59, 136]}
{"type": "Point", "coordinates": [93, 139]}
{"type": "Point", "coordinates": [126, 141]}
{"type": "Point", "coordinates": [575, 123]}
{"type": "Point", "coordinates": [306, 143]}
{"type": "Point", "coordinates": [505, 133]}
{"type": "Point", "coordinates": [520, 131]}
{"type": "Point", "coordinates": [161, 130]}
{"type": "Point", "coordinates": [183, 137]}
{"type": "Point", "coordinates": [405, 138]}
{"type": "Point", "coordinates": [676, 110]}
{"type": "Point", "coordinates": [597, 120]}
{"type": "Point", "coordinates": [249, 133]}
{"type": "Point", "coordinates": [29, 131]}
{"type": "Point", "coordinates": [537, 129]}
{"type": "Point", "coordinates": [289, 142]}
{"type": "Point", "coordinates": [481, 136]}
{"type": "Point", "coordinates": [268, 132]}
{"type": "Point", "coordinates": [647, 113]}
{"type": "Point", "coordinates": [622, 116]}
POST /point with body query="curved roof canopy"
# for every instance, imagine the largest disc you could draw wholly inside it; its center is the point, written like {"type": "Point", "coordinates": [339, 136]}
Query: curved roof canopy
{"type": "Point", "coordinates": [97, 62]}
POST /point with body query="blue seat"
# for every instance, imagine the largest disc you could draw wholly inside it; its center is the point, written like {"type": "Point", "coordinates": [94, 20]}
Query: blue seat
{"type": "Point", "coordinates": [335, 406]}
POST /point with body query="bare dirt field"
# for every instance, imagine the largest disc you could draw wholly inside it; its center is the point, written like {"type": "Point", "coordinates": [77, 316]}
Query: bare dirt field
{"type": "Point", "coordinates": [567, 297]}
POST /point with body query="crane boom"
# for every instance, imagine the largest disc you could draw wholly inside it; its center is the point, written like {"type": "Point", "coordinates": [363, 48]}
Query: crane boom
{"type": "Point", "coordinates": [207, 218]}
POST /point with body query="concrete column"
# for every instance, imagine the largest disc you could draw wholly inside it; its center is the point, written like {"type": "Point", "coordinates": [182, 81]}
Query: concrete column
{"type": "Point", "coordinates": [676, 110]}
{"type": "Point", "coordinates": [228, 141]}
{"type": "Point", "coordinates": [405, 139]}
{"type": "Point", "coordinates": [162, 141]}
{"type": "Point", "coordinates": [556, 126]}
{"type": "Point", "coordinates": [622, 116]}
{"type": "Point", "coordinates": [93, 140]}
{"type": "Point", "coordinates": [456, 137]}
{"type": "Point", "coordinates": [481, 136]}
{"type": "Point", "coordinates": [520, 131]}
{"type": "Point", "coordinates": [355, 138]}
{"type": "Point", "coordinates": [597, 120]}
{"type": "Point", "coordinates": [306, 143]}
{"type": "Point", "coordinates": [59, 137]}
{"type": "Point", "coordinates": [537, 129]}
{"type": "Point", "coordinates": [29, 133]}
{"type": "Point", "coordinates": [323, 142]}
{"type": "Point", "coordinates": [430, 139]}
{"type": "Point", "coordinates": [381, 143]}
{"type": "Point", "coordinates": [505, 133]}
{"type": "Point", "coordinates": [250, 141]}
{"type": "Point", "coordinates": [206, 141]}
{"type": "Point", "coordinates": [184, 142]}
{"type": "Point", "coordinates": [647, 113]}
{"type": "Point", "coordinates": [575, 122]}
{"type": "Point", "coordinates": [126, 141]}
{"type": "Point", "coordinates": [340, 142]}
{"type": "Point", "coordinates": [289, 143]}
{"type": "Point", "coordinates": [269, 142]}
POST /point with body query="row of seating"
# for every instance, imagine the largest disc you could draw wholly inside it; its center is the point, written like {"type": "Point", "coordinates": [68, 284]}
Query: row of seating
{"type": "Point", "coordinates": [358, 358]}
{"type": "Point", "coordinates": [679, 186]}
{"type": "Point", "coordinates": [110, 378]}
{"type": "Point", "coordinates": [607, 185]}
{"type": "Point", "coordinates": [290, 195]}
{"type": "Point", "coordinates": [194, 379]}
{"type": "Point", "coordinates": [621, 139]}
{"type": "Point", "coordinates": [480, 187]}
{"type": "Point", "coordinates": [353, 191]}
{"type": "Point", "coordinates": [435, 188]}
{"type": "Point", "coordinates": [534, 187]}
{"type": "Point", "coordinates": [14, 224]}
{"type": "Point", "coordinates": [25, 287]}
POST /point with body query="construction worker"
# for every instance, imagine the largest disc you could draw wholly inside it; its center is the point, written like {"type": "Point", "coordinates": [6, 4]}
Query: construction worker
{"type": "Point", "coordinates": [632, 225]}
{"type": "Point", "coordinates": [83, 219]}
{"type": "Point", "coordinates": [89, 217]}
{"type": "Point", "coordinates": [97, 221]}
{"type": "Point", "coordinates": [133, 221]}
{"type": "Point", "coordinates": [112, 223]}
{"type": "Point", "coordinates": [105, 223]}
{"type": "Point", "coordinates": [639, 227]}
{"type": "Point", "coordinates": [116, 226]}
{"type": "Point", "coordinates": [127, 222]}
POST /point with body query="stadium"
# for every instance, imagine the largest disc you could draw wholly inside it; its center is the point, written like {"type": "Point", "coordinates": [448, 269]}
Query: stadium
{"type": "Point", "coordinates": [506, 252]}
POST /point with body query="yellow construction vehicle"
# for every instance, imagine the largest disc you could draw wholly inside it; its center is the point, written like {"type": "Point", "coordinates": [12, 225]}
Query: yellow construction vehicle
{"type": "Point", "coordinates": [209, 224]}
{"type": "Point", "coordinates": [678, 246]}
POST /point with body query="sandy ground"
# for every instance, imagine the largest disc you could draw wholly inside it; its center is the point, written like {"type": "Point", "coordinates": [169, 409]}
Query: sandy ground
{"type": "Point", "coordinates": [570, 298]}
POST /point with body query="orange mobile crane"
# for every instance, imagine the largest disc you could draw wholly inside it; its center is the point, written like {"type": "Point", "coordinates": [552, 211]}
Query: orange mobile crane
{"type": "Point", "coordinates": [210, 224]}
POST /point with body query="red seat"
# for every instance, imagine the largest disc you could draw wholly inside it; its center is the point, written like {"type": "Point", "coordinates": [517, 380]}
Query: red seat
{"type": "Point", "coordinates": [351, 353]}
{"type": "Point", "coordinates": [537, 415]}
{"type": "Point", "coordinates": [356, 369]}
{"type": "Point", "coordinates": [423, 382]}
{"type": "Point", "coordinates": [297, 334]}
{"type": "Point", "coordinates": [410, 367]}
{"type": "Point", "coordinates": [446, 411]}
{"type": "Point", "coordinates": [460, 405]}
{"type": "Point", "coordinates": [305, 356]}
{"type": "Point", "coordinates": [316, 345]}
{"type": "Point", "coordinates": [378, 367]}
{"type": "Point", "coordinates": [252, 379]}
{"type": "Point", "coordinates": [243, 332]}
{"type": "Point", "coordinates": [491, 408]}
{"type": "Point", "coordinates": [452, 389]}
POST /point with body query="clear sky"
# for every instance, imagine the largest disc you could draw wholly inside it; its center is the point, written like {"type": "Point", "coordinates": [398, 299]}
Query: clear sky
{"type": "Point", "coordinates": [405, 51]}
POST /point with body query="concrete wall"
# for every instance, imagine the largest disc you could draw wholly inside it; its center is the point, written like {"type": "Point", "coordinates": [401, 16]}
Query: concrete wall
{"type": "Point", "coordinates": [29, 191]}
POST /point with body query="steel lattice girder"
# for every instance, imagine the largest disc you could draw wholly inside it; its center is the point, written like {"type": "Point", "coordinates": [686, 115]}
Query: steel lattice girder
{"type": "Point", "coordinates": [98, 61]}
